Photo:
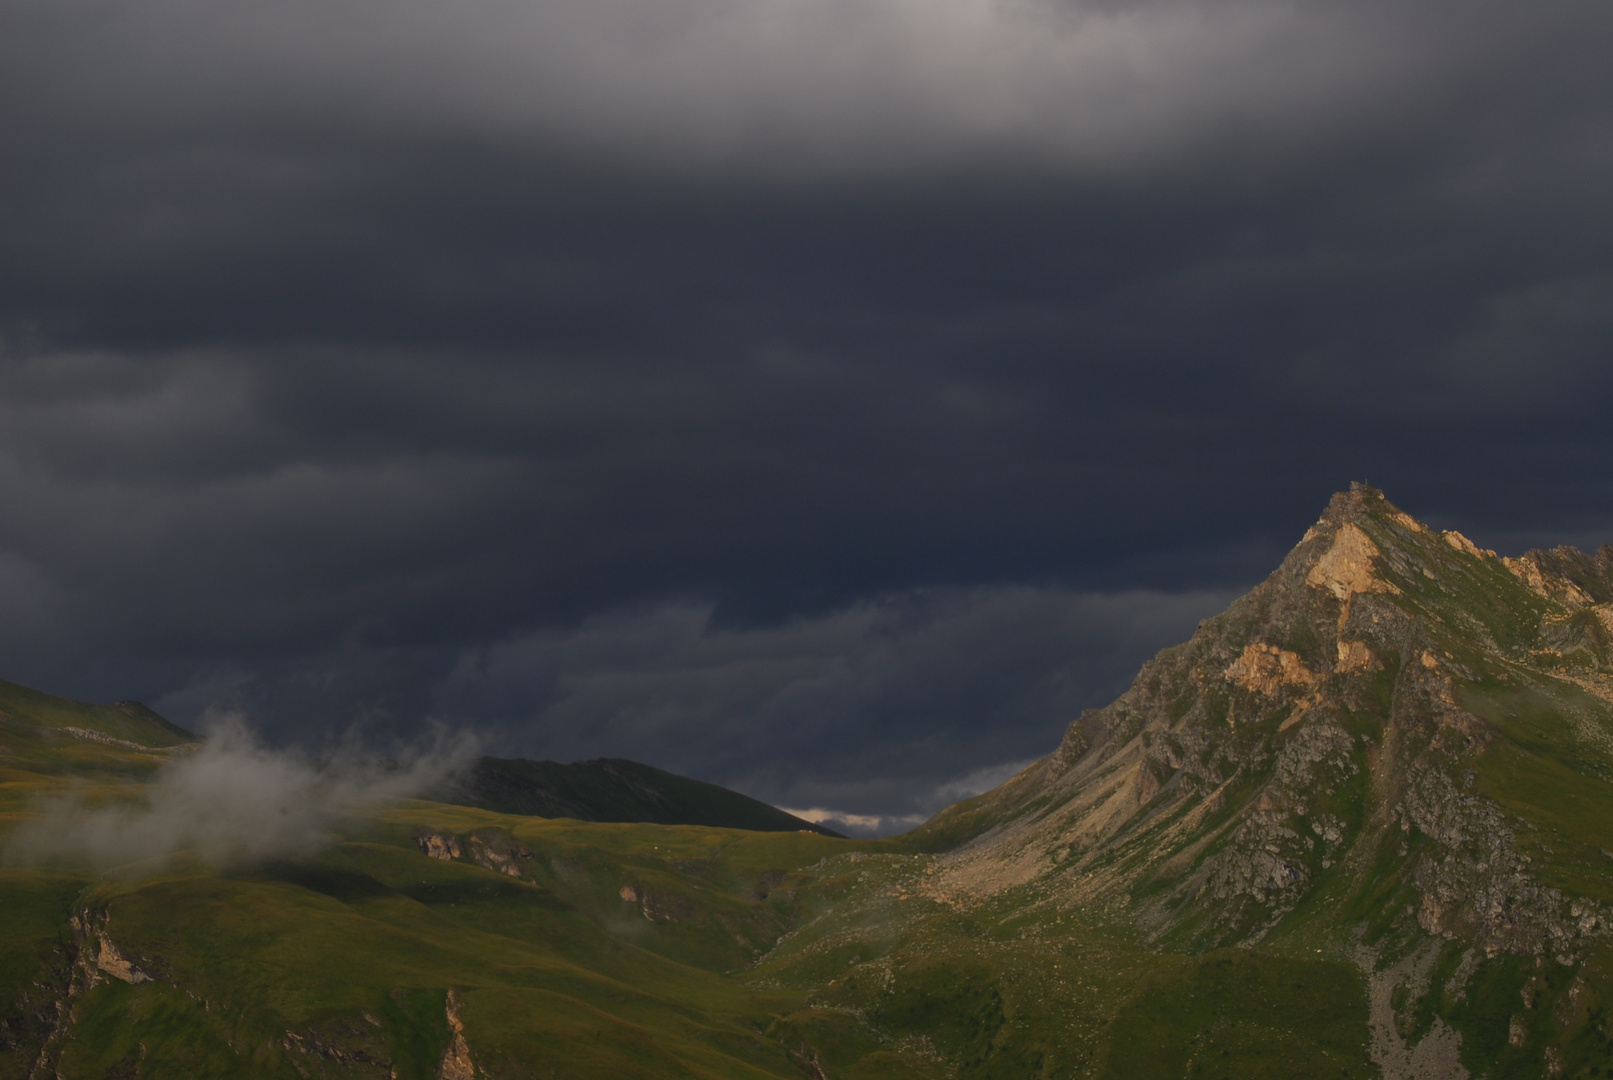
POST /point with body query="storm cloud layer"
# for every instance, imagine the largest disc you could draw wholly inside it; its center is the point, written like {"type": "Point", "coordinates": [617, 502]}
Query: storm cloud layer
{"type": "Point", "coordinates": [828, 399]}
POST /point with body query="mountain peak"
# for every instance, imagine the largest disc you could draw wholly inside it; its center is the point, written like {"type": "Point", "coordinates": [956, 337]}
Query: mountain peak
{"type": "Point", "coordinates": [1356, 748]}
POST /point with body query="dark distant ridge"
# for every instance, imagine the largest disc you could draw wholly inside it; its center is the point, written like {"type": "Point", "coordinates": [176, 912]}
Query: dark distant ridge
{"type": "Point", "coordinates": [613, 789]}
{"type": "Point", "coordinates": [35, 723]}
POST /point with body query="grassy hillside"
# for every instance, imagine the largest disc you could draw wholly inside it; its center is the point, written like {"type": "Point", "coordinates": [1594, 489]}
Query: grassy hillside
{"type": "Point", "coordinates": [33, 717]}
{"type": "Point", "coordinates": [739, 954]}
{"type": "Point", "coordinates": [341, 962]}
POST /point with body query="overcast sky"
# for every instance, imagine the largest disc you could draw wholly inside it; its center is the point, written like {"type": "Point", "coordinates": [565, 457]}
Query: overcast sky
{"type": "Point", "coordinates": [827, 398]}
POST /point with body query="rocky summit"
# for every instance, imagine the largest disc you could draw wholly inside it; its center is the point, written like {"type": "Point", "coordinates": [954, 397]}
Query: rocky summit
{"type": "Point", "coordinates": [1398, 748]}
{"type": "Point", "coordinates": [1361, 824]}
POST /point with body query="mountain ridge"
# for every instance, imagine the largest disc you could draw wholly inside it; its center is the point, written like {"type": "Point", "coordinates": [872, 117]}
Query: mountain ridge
{"type": "Point", "coordinates": [615, 790]}
{"type": "Point", "coordinates": [65, 734]}
{"type": "Point", "coordinates": [601, 790]}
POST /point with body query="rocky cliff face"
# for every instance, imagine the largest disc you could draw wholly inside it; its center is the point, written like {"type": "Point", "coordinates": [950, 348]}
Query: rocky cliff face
{"type": "Point", "coordinates": [1397, 736]}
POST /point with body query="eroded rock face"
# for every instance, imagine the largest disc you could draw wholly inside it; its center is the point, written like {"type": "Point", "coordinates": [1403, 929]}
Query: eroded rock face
{"type": "Point", "coordinates": [1267, 669]}
{"type": "Point", "coordinates": [105, 740]}
{"type": "Point", "coordinates": [99, 954]}
{"type": "Point", "coordinates": [1462, 543]}
{"type": "Point", "coordinates": [490, 848]}
{"type": "Point", "coordinates": [444, 846]}
{"type": "Point", "coordinates": [457, 1063]}
{"type": "Point", "coordinates": [1354, 656]}
{"type": "Point", "coordinates": [1477, 887]}
{"type": "Point", "coordinates": [1346, 569]}
{"type": "Point", "coordinates": [351, 1043]}
{"type": "Point", "coordinates": [658, 907]}
{"type": "Point", "coordinates": [1263, 864]}
{"type": "Point", "coordinates": [1566, 575]}
{"type": "Point", "coordinates": [497, 849]}
{"type": "Point", "coordinates": [112, 962]}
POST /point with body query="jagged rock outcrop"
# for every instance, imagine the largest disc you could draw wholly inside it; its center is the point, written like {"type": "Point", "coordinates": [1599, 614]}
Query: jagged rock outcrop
{"type": "Point", "coordinates": [490, 848]}
{"type": "Point", "coordinates": [436, 845]}
{"type": "Point", "coordinates": [496, 849]}
{"type": "Point", "coordinates": [99, 954]}
{"type": "Point", "coordinates": [457, 1063]}
{"type": "Point", "coordinates": [658, 907]}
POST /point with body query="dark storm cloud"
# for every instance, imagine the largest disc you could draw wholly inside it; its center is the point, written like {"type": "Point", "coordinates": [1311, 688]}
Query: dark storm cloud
{"type": "Point", "coordinates": [822, 398]}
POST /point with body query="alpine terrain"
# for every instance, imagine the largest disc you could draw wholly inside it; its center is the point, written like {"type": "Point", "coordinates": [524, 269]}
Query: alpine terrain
{"type": "Point", "coordinates": [1360, 825]}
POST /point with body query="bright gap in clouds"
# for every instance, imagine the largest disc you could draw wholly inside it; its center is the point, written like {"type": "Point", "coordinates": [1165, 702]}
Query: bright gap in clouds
{"type": "Point", "coordinates": [788, 89]}
{"type": "Point", "coordinates": [965, 787]}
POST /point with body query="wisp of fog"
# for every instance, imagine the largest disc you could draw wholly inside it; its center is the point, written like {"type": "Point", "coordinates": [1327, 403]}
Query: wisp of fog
{"type": "Point", "coordinates": [232, 802]}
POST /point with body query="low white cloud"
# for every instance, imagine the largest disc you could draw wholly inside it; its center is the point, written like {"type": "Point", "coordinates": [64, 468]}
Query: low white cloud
{"type": "Point", "coordinates": [231, 802]}
{"type": "Point", "coordinates": [859, 824]}
{"type": "Point", "coordinates": [974, 783]}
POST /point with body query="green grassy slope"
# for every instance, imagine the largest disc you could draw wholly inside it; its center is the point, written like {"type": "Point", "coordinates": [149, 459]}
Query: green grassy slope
{"type": "Point", "coordinates": [340, 963]}
{"type": "Point", "coordinates": [27, 714]}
